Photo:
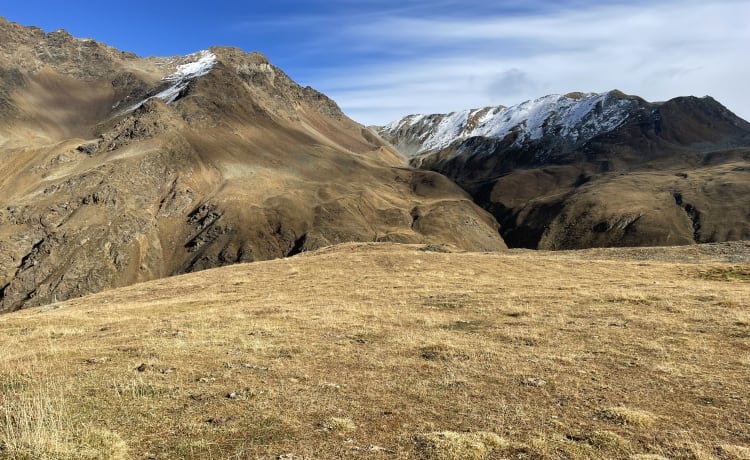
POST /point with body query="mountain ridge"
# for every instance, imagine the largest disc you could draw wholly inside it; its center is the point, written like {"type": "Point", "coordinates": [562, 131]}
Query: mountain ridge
{"type": "Point", "coordinates": [547, 180]}
{"type": "Point", "coordinates": [574, 116]}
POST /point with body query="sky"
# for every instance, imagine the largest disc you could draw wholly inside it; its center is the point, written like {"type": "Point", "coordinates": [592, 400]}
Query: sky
{"type": "Point", "coordinates": [381, 60]}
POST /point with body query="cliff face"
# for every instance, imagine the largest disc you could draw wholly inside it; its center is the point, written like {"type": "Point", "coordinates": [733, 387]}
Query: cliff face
{"type": "Point", "coordinates": [116, 169]}
{"type": "Point", "coordinates": [586, 170]}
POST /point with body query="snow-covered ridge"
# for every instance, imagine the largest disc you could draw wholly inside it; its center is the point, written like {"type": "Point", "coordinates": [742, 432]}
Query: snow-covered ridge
{"type": "Point", "coordinates": [186, 73]}
{"type": "Point", "coordinates": [202, 63]}
{"type": "Point", "coordinates": [575, 118]}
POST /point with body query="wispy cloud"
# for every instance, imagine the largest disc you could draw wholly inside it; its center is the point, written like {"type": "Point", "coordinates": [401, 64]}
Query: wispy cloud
{"type": "Point", "coordinates": [415, 57]}
{"type": "Point", "coordinates": [381, 59]}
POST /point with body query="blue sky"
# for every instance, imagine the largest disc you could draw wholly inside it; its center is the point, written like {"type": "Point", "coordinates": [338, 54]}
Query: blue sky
{"type": "Point", "coordinates": [381, 60]}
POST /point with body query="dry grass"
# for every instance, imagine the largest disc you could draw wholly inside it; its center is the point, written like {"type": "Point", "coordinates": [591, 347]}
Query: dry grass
{"type": "Point", "coordinates": [387, 351]}
{"type": "Point", "coordinates": [626, 416]}
{"type": "Point", "coordinates": [37, 425]}
{"type": "Point", "coordinates": [449, 445]}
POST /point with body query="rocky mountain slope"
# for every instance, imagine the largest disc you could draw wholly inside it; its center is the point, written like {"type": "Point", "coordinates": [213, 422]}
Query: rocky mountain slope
{"type": "Point", "coordinates": [592, 170]}
{"type": "Point", "coordinates": [116, 169]}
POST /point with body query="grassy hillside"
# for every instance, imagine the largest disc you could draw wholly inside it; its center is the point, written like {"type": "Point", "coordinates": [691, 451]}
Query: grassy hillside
{"type": "Point", "coordinates": [388, 351]}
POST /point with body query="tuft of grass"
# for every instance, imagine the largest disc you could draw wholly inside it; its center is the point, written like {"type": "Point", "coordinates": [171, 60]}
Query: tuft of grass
{"type": "Point", "coordinates": [606, 440]}
{"type": "Point", "coordinates": [139, 388]}
{"type": "Point", "coordinates": [339, 425]}
{"type": "Point", "coordinates": [33, 422]}
{"type": "Point", "coordinates": [450, 445]}
{"type": "Point", "coordinates": [13, 383]}
{"type": "Point", "coordinates": [625, 416]}
{"type": "Point", "coordinates": [734, 452]}
{"type": "Point", "coordinates": [465, 326]}
{"type": "Point", "coordinates": [442, 352]}
{"type": "Point", "coordinates": [100, 444]}
{"type": "Point", "coordinates": [37, 425]}
{"type": "Point", "coordinates": [690, 449]}
{"type": "Point", "coordinates": [631, 298]}
{"type": "Point", "coordinates": [517, 313]}
{"type": "Point", "coordinates": [726, 274]}
{"type": "Point", "coordinates": [444, 301]}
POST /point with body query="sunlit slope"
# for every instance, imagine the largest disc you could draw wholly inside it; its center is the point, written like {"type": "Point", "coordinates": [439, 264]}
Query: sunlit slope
{"type": "Point", "coordinates": [395, 352]}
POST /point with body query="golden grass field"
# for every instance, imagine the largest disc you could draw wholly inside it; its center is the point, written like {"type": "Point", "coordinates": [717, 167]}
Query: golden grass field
{"type": "Point", "coordinates": [381, 351]}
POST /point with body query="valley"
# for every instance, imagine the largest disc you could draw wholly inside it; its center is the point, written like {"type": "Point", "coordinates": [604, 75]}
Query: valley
{"type": "Point", "coordinates": [202, 258]}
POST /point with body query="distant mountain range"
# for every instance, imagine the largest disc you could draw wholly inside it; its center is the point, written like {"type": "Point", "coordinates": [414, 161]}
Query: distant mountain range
{"type": "Point", "coordinates": [583, 170]}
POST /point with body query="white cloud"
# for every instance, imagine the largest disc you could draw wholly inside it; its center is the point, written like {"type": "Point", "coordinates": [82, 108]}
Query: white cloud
{"type": "Point", "coordinates": [658, 50]}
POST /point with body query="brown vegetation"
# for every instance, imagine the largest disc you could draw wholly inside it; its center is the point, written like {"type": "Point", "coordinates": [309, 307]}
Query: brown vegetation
{"type": "Point", "coordinates": [389, 351]}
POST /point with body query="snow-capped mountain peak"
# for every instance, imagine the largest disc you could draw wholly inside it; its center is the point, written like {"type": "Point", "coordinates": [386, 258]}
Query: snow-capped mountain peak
{"type": "Point", "coordinates": [574, 117]}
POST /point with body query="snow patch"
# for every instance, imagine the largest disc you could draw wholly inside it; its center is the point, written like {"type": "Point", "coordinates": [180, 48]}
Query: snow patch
{"type": "Point", "coordinates": [202, 64]}
{"type": "Point", "coordinates": [450, 128]}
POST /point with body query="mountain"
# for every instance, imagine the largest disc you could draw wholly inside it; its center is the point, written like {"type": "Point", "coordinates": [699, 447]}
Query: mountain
{"type": "Point", "coordinates": [593, 170]}
{"type": "Point", "coordinates": [116, 169]}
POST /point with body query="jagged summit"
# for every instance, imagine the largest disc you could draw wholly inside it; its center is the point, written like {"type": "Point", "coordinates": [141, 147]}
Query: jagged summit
{"type": "Point", "coordinates": [574, 118]}
{"type": "Point", "coordinates": [31, 49]}
{"type": "Point", "coordinates": [121, 81]}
